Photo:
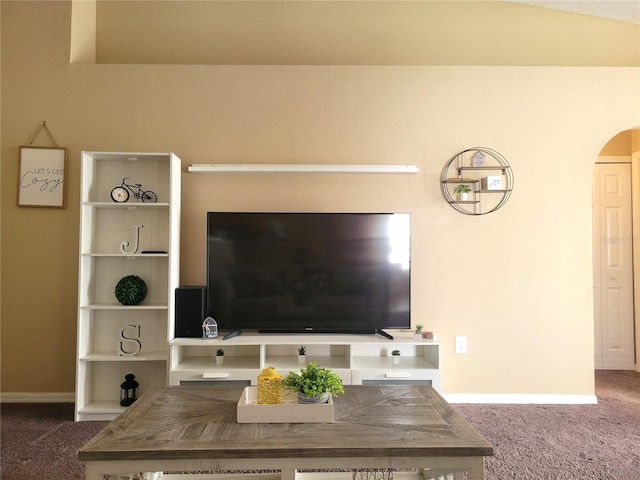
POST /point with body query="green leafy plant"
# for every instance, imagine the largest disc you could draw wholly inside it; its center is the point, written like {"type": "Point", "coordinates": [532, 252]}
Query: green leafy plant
{"type": "Point", "coordinates": [396, 353]}
{"type": "Point", "coordinates": [302, 350]}
{"type": "Point", "coordinates": [220, 353]}
{"type": "Point", "coordinates": [314, 380]}
{"type": "Point", "coordinates": [131, 290]}
{"type": "Point", "coordinates": [418, 328]}
{"type": "Point", "coordinates": [462, 189]}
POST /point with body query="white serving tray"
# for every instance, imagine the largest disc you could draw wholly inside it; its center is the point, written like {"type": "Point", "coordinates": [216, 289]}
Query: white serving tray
{"type": "Point", "coordinates": [287, 411]}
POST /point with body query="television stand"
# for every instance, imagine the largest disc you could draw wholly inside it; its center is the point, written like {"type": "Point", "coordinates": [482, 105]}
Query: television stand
{"type": "Point", "coordinates": [357, 358]}
{"type": "Point", "coordinates": [232, 334]}
{"type": "Point", "coordinates": [384, 334]}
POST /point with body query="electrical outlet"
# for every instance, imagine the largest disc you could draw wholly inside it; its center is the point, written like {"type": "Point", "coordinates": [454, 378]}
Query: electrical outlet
{"type": "Point", "coordinates": [461, 344]}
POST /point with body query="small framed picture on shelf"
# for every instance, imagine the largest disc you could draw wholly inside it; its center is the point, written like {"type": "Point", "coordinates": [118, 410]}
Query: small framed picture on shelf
{"type": "Point", "coordinates": [477, 160]}
{"type": "Point", "coordinates": [42, 177]}
{"type": "Point", "coordinates": [491, 182]}
{"type": "Point", "coordinates": [209, 328]}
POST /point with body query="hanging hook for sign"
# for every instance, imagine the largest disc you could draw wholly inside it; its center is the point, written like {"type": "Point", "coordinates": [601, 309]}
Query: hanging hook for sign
{"type": "Point", "coordinates": [35, 134]}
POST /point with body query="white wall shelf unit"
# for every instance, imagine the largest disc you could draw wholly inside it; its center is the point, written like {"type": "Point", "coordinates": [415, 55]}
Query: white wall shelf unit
{"type": "Point", "coordinates": [358, 359]}
{"type": "Point", "coordinates": [104, 225]}
{"type": "Point", "coordinates": [301, 168]}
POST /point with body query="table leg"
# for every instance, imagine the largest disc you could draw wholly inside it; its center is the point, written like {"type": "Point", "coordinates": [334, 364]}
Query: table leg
{"type": "Point", "coordinates": [288, 474]}
{"type": "Point", "coordinates": [92, 472]}
{"type": "Point", "coordinates": [477, 470]}
{"type": "Point", "coordinates": [471, 468]}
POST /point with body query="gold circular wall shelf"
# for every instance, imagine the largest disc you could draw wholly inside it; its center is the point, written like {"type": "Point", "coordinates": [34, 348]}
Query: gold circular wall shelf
{"type": "Point", "coordinates": [485, 172]}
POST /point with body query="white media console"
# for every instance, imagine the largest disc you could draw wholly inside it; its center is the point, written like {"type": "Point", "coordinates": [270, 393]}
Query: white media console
{"type": "Point", "coordinates": [358, 359]}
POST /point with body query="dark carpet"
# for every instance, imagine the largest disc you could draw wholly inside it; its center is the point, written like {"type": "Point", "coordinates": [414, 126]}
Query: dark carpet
{"type": "Point", "coordinates": [546, 442]}
{"type": "Point", "coordinates": [566, 442]}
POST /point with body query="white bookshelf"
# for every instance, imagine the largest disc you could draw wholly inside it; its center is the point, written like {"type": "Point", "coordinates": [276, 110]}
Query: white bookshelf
{"type": "Point", "coordinates": [104, 225]}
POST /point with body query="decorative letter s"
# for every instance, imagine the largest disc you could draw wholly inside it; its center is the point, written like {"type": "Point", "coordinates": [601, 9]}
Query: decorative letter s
{"type": "Point", "coordinates": [130, 338]}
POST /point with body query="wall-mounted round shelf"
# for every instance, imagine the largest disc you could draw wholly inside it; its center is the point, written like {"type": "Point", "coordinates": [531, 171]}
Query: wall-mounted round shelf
{"type": "Point", "coordinates": [485, 172]}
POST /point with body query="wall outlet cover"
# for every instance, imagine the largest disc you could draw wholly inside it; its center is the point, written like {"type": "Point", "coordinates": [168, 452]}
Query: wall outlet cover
{"type": "Point", "coordinates": [461, 344]}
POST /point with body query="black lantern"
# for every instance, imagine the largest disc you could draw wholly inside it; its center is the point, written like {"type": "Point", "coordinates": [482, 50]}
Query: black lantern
{"type": "Point", "coordinates": [128, 390]}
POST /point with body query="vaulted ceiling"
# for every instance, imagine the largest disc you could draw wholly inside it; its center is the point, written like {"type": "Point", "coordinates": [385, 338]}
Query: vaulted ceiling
{"type": "Point", "coordinates": [431, 32]}
{"type": "Point", "coordinates": [624, 10]}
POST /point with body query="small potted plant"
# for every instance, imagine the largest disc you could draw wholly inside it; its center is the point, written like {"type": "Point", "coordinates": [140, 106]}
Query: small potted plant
{"type": "Point", "coordinates": [314, 384]}
{"type": "Point", "coordinates": [395, 357]}
{"type": "Point", "coordinates": [417, 335]}
{"type": "Point", "coordinates": [462, 192]}
{"type": "Point", "coordinates": [219, 356]}
{"type": "Point", "coordinates": [302, 355]}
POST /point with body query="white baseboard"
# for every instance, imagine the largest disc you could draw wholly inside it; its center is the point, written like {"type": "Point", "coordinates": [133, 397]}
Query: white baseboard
{"type": "Point", "coordinates": [29, 397]}
{"type": "Point", "coordinates": [481, 398]}
{"type": "Point", "coordinates": [521, 398]}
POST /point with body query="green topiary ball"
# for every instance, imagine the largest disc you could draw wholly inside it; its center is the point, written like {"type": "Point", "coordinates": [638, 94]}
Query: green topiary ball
{"type": "Point", "coordinates": [131, 290]}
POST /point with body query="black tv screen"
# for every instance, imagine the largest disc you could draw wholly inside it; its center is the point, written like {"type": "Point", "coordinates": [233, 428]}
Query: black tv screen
{"type": "Point", "coordinates": [309, 272]}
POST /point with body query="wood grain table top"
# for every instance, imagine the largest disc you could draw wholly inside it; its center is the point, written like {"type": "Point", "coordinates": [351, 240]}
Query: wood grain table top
{"type": "Point", "coordinates": [191, 422]}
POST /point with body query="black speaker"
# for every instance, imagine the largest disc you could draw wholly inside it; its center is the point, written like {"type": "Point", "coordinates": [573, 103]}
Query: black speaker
{"type": "Point", "coordinates": [190, 311]}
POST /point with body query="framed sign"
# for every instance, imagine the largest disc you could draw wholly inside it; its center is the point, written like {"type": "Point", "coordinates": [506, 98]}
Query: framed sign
{"type": "Point", "coordinates": [42, 178]}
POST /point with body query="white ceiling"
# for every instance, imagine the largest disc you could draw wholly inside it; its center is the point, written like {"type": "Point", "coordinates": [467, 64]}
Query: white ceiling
{"type": "Point", "coordinates": [624, 10]}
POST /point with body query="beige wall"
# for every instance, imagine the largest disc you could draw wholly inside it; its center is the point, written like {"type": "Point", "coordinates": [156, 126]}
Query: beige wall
{"type": "Point", "coordinates": [635, 140]}
{"type": "Point", "coordinates": [623, 144]}
{"type": "Point", "coordinates": [358, 33]}
{"type": "Point", "coordinates": [517, 282]}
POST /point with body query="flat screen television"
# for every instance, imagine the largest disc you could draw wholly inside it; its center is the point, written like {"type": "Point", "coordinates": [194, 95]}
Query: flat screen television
{"type": "Point", "coordinates": [309, 272]}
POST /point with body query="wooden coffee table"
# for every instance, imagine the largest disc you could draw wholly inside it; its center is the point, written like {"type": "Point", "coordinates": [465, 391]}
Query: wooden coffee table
{"type": "Point", "coordinates": [193, 429]}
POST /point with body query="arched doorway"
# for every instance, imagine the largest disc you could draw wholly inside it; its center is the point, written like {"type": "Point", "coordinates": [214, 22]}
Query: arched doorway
{"type": "Point", "coordinates": [616, 232]}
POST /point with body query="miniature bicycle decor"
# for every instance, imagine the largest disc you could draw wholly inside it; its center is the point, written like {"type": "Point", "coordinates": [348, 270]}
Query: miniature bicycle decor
{"type": "Point", "coordinates": [121, 193]}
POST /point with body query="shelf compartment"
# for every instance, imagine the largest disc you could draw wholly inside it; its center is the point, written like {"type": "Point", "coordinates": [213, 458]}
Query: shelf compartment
{"type": "Point", "coordinates": [119, 306]}
{"type": "Point", "coordinates": [397, 376]}
{"type": "Point", "coordinates": [126, 256]}
{"type": "Point", "coordinates": [418, 356]}
{"type": "Point", "coordinates": [289, 363]}
{"type": "Point", "coordinates": [485, 168]}
{"type": "Point", "coordinates": [99, 395]}
{"type": "Point", "coordinates": [103, 273]}
{"type": "Point", "coordinates": [202, 357]}
{"type": "Point", "coordinates": [100, 411]}
{"type": "Point", "coordinates": [461, 180]}
{"type": "Point", "coordinates": [106, 172]}
{"type": "Point", "coordinates": [285, 357]}
{"type": "Point", "coordinates": [126, 205]}
{"type": "Point", "coordinates": [204, 369]}
{"type": "Point", "coordinates": [385, 363]}
{"type": "Point", "coordinates": [197, 342]}
{"type": "Point", "coordinates": [99, 332]}
{"type": "Point", "coordinates": [208, 363]}
{"type": "Point", "coordinates": [109, 227]}
{"type": "Point", "coordinates": [114, 357]}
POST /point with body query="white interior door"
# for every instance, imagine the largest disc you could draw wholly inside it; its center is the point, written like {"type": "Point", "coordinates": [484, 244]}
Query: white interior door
{"type": "Point", "coordinates": [613, 267]}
